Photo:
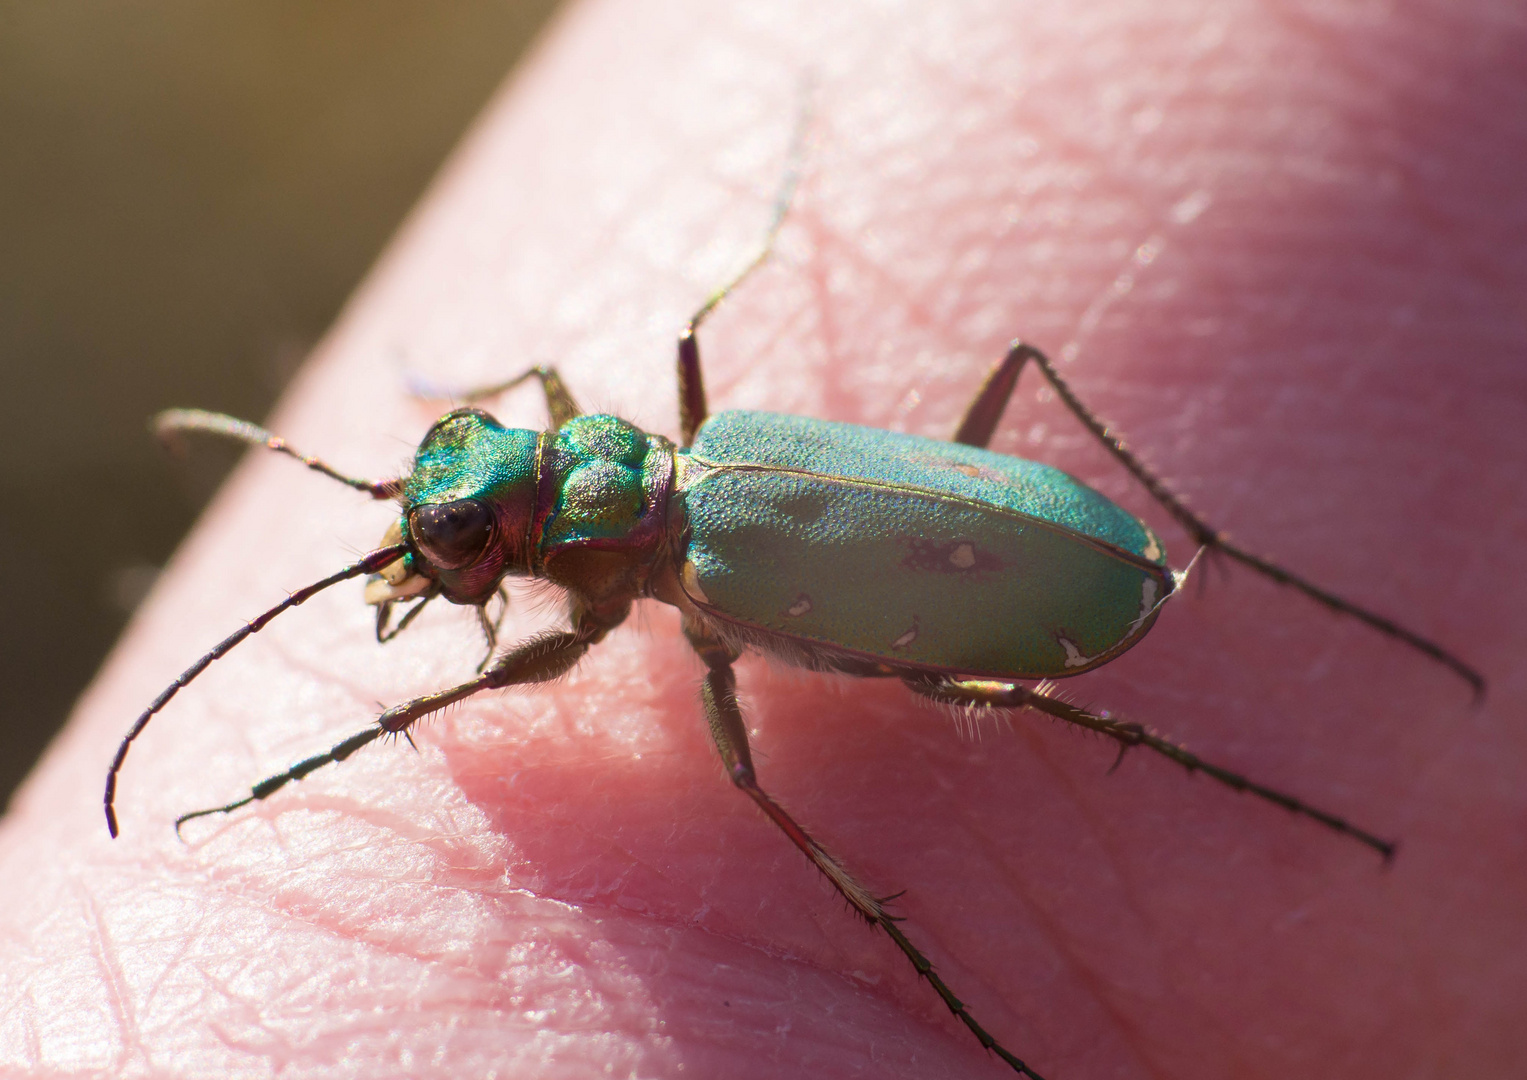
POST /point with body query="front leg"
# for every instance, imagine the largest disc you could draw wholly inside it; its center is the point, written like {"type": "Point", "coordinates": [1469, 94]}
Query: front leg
{"type": "Point", "coordinates": [540, 659]}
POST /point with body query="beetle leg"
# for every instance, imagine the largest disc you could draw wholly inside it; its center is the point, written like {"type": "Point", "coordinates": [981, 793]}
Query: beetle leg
{"type": "Point", "coordinates": [718, 694]}
{"type": "Point", "coordinates": [542, 658]}
{"type": "Point", "coordinates": [489, 626]}
{"type": "Point", "coordinates": [981, 419]}
{"type": "Point", "coordinates": [692, 406]}
{"type": "Point", "coordinates": [982, 693]}
{"type": "Point", "coordinates": [693, 409]}
{"type": "Point", "coordinates": [489, 633]}
{"type": "Point", "coordinates": [559, 401]}
{"type": "Point", "coordinates": [384, 632]}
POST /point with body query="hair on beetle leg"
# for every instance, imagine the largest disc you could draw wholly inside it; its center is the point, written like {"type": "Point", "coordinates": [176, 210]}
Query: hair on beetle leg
{"type": "Point", "coordinates": [540, 598]}
{"type": "Point", "coordinates": [970, 719]}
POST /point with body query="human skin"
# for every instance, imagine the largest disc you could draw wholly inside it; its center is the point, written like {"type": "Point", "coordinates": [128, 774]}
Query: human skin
{"type": "Point", "coordinates": [1284, 247]}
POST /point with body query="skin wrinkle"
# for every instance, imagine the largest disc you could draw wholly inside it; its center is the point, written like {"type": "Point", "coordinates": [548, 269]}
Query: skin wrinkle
{"type": "Point", "coordinates": [1103, 837]}
{"type": "Point", "coordinates": [1102, 996]}
{"type": "Point", "coordinates": [347, 1032]}
{"type": "Point", "coordinates": [1132, 1033]}
{"type": "Point", "coordinates": [386, 944]}
{"type": "Point", "coordinates": [157, 985]}
{"type": "Point", "coordinates": [105, 957]}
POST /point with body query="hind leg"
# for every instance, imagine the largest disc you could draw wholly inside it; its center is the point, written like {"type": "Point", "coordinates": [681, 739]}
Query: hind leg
{"type": "Point", "coordinates": [983, 414]}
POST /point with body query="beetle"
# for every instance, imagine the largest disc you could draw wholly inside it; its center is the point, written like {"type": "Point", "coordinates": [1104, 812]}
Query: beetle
{"type": "Point", "coordinates": [962, 572]}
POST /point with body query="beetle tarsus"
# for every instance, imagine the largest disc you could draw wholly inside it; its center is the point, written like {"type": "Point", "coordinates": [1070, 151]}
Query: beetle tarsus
{"type": "Point", "coordinates": [1381, 623]}
{"type": "Point", "coordinates": [953, 1004]}
{"type": "Point", "coordinates": [384, 631]}
{"type": "Point", "coordinates": [272, 784]}
{"type": "Point", "coordinates": [183, 818]}
{"type": "Point", "coordinates": [536, 660]}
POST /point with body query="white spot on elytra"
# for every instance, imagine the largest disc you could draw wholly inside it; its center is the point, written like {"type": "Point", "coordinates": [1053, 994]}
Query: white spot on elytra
{"type": "Point", "coordinates": [963, 556]}
{"type": "Point", "coordinates": [1152, 548]}
{"type": "Point", "coordinates": [1147, 599]}
{"type": "Point", "coordinates": [906, 638]}
{"type": "Point", "coordinates": [801, 606]}
{"type": "Point", "coordinates": [1074, 657]}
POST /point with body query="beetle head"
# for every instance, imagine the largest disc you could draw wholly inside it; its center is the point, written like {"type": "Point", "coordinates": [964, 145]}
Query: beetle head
{"type": "Point", "coordinates": [468, 510]}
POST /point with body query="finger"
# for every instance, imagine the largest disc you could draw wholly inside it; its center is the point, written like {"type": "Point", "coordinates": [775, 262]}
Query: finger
{"type": "Point", "coordinates": [563, 880]}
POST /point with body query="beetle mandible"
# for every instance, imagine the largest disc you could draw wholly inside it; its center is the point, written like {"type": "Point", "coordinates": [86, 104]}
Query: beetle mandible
{"type": "Point", "coordinates": [959, 571]}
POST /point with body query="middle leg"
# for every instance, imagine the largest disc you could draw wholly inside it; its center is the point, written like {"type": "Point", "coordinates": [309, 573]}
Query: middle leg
{"type": "Point", "coordinates": [490, 627]}
{"type": "Point", "coordinates": [977, 693]}
{"type": "Point", "coordinates": [719, 696]}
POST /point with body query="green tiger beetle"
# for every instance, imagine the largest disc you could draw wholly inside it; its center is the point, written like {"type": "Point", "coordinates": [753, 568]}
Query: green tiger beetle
{"type": "Point", "coordinates": [959, 571]}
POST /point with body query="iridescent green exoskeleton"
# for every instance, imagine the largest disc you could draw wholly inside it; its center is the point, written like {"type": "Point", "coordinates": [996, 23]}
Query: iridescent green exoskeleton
{"type": "Point", "coordinates": [961, 572]}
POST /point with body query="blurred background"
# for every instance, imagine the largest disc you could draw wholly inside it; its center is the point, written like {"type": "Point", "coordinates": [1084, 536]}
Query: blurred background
{"type": "Point", "coordinates": [188, 193]}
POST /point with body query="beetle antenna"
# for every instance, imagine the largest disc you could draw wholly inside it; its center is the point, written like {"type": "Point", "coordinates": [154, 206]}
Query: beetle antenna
{"type": "Point", "coordinates": [170, 423]}
{"type": "Point", "coordinates": [369, 565]}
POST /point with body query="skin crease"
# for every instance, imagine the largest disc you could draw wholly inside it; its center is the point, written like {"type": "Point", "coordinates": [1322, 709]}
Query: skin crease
{"type": "Point", "coordinates": [1282, 243]}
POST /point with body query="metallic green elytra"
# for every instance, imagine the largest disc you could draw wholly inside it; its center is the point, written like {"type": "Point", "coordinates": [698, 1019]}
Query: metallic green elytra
{"type": "Point", "coordinates": [959, 571]}
{"type": "Point", "coordinates": [910, 551]}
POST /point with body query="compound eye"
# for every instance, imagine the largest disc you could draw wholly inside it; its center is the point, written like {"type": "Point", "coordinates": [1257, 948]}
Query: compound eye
{"type": "Point", "coordinates": [451, 534]}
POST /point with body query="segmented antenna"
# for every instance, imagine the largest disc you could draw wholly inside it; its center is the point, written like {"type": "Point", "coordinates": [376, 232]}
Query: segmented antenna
{"type": "Point", "coordinates": [171, 422]}
{"type": "Point", "coordinates": [371, 564]}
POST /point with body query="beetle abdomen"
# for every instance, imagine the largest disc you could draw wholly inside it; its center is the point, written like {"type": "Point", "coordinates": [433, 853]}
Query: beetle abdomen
{"type": "Point", "coordinates": [916, 552]}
